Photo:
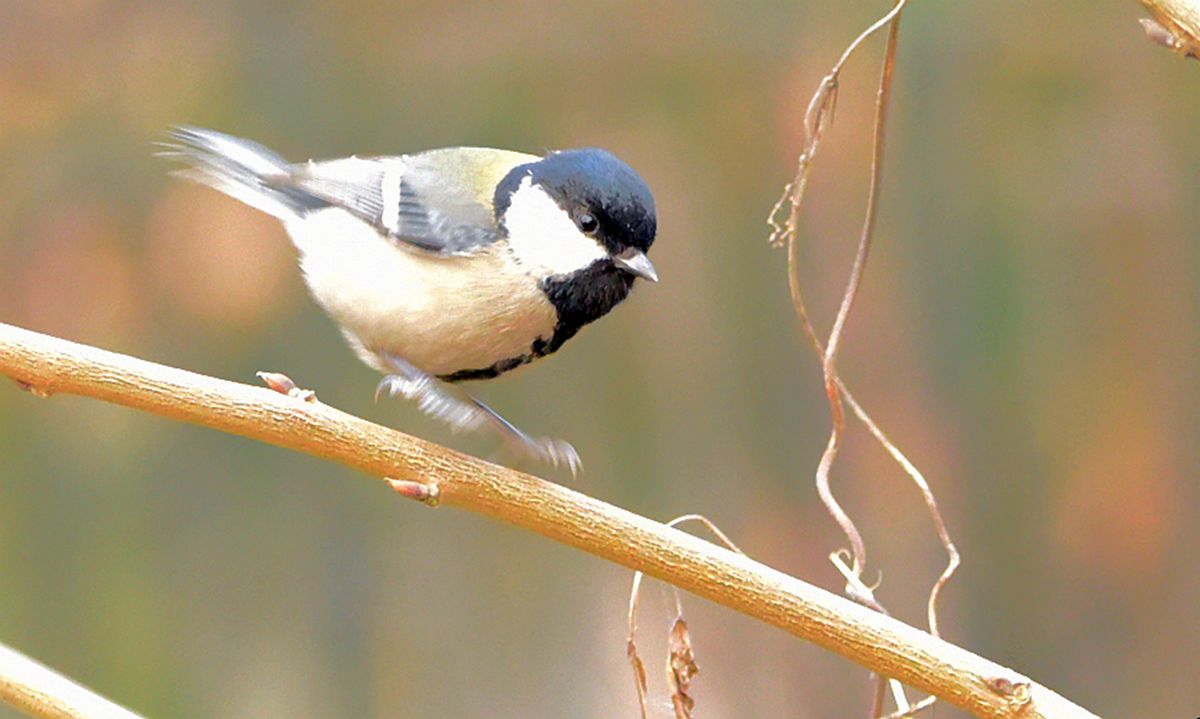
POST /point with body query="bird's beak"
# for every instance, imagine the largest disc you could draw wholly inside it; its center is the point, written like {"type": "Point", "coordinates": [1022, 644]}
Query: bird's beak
{"type": "Point", "coordinates": [635, 262]}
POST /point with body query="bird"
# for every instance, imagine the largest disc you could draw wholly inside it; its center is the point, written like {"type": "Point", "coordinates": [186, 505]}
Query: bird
{"type": "Point", "coordinates": [448, 265]}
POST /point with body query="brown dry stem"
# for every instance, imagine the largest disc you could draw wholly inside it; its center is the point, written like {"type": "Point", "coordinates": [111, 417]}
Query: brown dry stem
{"type": "Point", "coordinates": [816, 121]}
{"type": "Point", "coordinates": [912, 710]}
{"type": "Point", "coordinates": [54, 366]}
{"type": "Point", "coordinates": [680, 698]}
{"type": "Point", "coordinates": [817, 117]}
{"type": "Point", "coordinates": [787, 233]}
{"type": "Point", "coordinates": [862, 253]}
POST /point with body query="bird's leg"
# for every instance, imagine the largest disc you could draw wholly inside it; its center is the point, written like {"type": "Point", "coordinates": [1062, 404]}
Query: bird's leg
{"type": "Point", "coordinates": [461, 411]}
{"type": "Point", "coordinates": [546, 449]}
{"type": "Point", "coordinates": [433, 397]}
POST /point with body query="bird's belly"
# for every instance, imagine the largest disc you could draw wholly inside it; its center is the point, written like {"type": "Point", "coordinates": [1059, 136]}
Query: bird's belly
{"type": "Point", "coordinates": [442, 314]}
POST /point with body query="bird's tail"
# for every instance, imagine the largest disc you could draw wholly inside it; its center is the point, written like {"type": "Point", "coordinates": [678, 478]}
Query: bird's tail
{"type": "Point", "coordinates": [242, 169]}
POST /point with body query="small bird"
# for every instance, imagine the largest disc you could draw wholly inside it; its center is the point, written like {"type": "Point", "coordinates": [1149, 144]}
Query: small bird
{"type": "Point", "coordinates": [453, 264]}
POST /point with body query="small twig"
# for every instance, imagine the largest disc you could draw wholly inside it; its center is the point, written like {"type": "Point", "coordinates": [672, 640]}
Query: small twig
{"type": "Point", "coordinates": [639, 668]}
{"type": "Point", "coordinates": [898, 695]}
{"type": "Point", "coordinates": [41, 692]}
{"type": "Point", "coordinates": [914, 709]}
{"type": "Point", "coordinates": [635, 660]}
{"type": "Point", "coordinates": [817, 116]}
{"type": "Point", "coordinates": [797, 294]}
{"type": "Point", "coordinates": [878, 696]}
{"type": "Point", "coordinates": [861, 593]}
{"type": "Point", "coordinates": [931, 504]}
{"type": "Point", "coordinates": [789, 234]}
{"type": "Point", "coordinates": [833, 344]}
{"type": "Point", "coordinates": [820, 108]}
{"type": "Point", "coordinates": [816, 119]}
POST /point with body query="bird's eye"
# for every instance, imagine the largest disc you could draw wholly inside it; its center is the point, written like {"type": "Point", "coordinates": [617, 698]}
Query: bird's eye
{"type": "Point", "coordinates": [587, 222]}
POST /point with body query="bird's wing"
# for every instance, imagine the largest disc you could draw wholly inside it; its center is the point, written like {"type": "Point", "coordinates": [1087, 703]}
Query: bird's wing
{"type": "Point", "coordinates": [440, 200]}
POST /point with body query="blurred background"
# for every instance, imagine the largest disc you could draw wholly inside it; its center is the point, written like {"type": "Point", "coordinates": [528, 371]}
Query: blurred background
{"type": "Point", "coordinates": [1028, 332]}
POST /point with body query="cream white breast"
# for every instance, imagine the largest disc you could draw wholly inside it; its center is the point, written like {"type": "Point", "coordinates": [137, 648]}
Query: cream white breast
{"type": "Point", "coordinates": [436, 312]}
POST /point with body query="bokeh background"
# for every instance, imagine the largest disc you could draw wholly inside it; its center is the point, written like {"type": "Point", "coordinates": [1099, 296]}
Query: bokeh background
{"type": "Point", "coordinates": [1028, 332]}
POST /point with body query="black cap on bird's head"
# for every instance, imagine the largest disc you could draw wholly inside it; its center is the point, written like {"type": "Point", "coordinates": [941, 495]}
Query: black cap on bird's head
{"type": "Point", "coordinates": [605, 198]}
{"type": "Point", "coordinates": [591, 181]}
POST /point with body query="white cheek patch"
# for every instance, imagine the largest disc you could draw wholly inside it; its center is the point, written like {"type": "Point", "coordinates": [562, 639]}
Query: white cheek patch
{"type": "Point", "coordinates": [543, 238]}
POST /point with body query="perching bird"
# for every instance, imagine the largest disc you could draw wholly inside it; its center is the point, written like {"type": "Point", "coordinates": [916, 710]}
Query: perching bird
{"type": "Point", "coordinates": [453, 264]}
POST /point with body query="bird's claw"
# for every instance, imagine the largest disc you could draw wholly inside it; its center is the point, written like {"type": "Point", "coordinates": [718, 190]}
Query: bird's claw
{"type": "Point", "coordinates": [558, 452]}
{"type": "Point", "coordinates": [433, 400]}
{"type": "Point", "coordinates": [439, 401]}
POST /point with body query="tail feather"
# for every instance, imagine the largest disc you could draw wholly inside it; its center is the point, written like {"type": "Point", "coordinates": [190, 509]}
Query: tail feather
{"type": "Point", "coordinates": [242, 169]}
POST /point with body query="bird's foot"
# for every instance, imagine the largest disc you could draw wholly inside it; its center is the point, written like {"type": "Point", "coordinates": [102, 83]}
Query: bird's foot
{"type": "Point", "coordinates": [464, 412]}
{"type": "Point", "coordinates": [558, 452]}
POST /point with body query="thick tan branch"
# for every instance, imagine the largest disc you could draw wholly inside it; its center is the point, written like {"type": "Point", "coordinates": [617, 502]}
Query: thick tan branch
{"type": "Point", "coordinates": [41, 692]}
{"type": "Point", "coordinates": [53, 366]}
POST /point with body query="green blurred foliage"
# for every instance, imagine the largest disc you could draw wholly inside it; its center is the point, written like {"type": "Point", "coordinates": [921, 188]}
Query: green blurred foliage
{"type": "Point", "coordinates": [1028, 331]}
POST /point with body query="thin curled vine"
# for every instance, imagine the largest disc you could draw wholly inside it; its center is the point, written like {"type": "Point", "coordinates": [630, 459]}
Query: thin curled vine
{"type": "Point", "coordinates": [817, 120]}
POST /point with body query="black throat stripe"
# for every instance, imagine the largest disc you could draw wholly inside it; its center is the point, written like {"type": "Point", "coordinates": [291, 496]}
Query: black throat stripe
{"type": "Point", "coordinates": [578, 299]}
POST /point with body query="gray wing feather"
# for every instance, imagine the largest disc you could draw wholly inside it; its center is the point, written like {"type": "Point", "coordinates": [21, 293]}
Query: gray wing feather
{"type": "Point", "coordinates": [439, 200]}
{"type": "Point", "coordinates": [353, 184]}
{"type": "Point", "coordinates": [408, 199]}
